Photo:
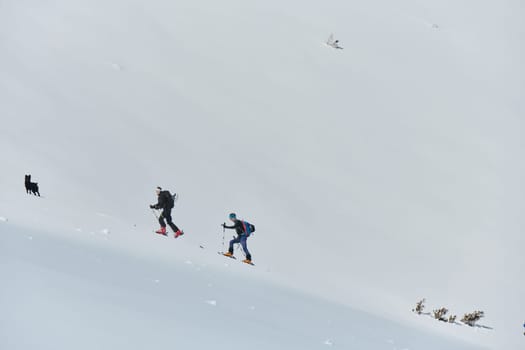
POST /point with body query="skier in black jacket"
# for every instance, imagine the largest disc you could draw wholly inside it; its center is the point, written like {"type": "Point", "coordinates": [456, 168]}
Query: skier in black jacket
{"type": "Point", "coordinates": [165, 202]}
{"type": "Point", "coordinates": [242, 237]}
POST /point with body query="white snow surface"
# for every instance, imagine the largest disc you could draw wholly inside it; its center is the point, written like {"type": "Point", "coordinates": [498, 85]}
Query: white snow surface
{"type": "Point", "coordinates": [375, 175]}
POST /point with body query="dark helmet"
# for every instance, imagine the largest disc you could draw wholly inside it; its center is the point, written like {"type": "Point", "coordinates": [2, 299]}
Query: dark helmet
{"type": "Point", "coordinates": [232, 216]}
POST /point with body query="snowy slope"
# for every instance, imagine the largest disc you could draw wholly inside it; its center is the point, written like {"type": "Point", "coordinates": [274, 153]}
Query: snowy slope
{"type": "Point", "coordinates": [376, 175]}
{"type": "Point", "coordinates": [87, 296]}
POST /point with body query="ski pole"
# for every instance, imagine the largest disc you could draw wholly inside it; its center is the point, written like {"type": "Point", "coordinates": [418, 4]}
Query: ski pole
{"type": "Point", "coordinates": [223, 233]}
{"type": "Point", "coordinates": [239, 247]}
{"type": "Point", "coordinates": [242, 249]}
{"type": "Point", "coordinates": [154, 213]}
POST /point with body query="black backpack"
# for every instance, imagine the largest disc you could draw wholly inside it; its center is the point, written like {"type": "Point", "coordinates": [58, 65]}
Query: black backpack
{"type": "Point", "coordinates": [170, 199]}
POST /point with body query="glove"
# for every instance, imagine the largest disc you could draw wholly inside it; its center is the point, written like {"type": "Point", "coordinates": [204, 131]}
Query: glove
{"type": "Point", "coordinates": [223, 225]}
{"type": "Point", "coordinates": [152, 206]}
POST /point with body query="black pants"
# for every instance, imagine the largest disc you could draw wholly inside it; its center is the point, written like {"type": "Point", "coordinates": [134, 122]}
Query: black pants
{"type": "Point", "coordinates": [166, 213]}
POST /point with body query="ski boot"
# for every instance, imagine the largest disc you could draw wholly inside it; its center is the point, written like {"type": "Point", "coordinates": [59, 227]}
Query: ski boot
{"type": "Point", "coordinates": [162, 231]}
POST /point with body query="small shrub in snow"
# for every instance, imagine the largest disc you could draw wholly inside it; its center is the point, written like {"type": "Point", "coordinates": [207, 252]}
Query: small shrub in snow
{"type": "Point", "coordinates": [472, 318]}
{"type": "Point", "coordinates": [419, 307]}
{"type": "Point", "coordinates": [452, 319]}
{"type": "Point", "coordinates": [439, 314]}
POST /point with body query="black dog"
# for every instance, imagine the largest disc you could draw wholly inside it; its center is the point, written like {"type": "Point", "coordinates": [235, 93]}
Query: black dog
{"type": "Point", "coordinates": [31, 187]}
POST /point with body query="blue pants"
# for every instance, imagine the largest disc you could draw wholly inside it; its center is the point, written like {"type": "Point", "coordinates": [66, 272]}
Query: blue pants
{"type": "Point", "coordinates": [242, 240]}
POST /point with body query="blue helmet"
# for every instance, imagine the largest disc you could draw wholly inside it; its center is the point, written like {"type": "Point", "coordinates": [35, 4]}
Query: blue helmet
{"type": "Point", "coordinates": [233, 216]}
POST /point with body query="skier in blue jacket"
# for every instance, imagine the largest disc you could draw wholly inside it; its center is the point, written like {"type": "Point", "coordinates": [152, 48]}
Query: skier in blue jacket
{"type": "Point", "coordinates": [242, 237]}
